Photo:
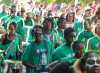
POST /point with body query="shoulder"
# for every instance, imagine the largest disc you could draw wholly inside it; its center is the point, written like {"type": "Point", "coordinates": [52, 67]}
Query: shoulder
{"type": "Point", "coordinates": [60, 48]}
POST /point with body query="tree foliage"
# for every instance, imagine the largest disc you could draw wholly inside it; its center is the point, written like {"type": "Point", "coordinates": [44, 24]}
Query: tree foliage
{"type": "Point", "coordinates": [6, 2]}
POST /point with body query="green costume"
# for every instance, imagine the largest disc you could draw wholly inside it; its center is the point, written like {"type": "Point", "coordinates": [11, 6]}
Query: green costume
{"type": "Point", "coordinates": [78, 26]}
{"type": "Point", "coordinates": [94, 43]}
{"type": "Point", "coordinates": [50, 37]}
{"type": "Point", "coordinates": [11, 47]}
{"type": "Point", "coordinates": [3, 14]}
{"type": "Point", "coordinates": [63, 54]}
{"type": "Point", "coordinates": [84, 36]}
{"type": "Point", "coordinates": [32, 54]}
{"type": "Point", "coordinates": [59, 38]}
{"type": "Point", "coordinates": [8, 19]}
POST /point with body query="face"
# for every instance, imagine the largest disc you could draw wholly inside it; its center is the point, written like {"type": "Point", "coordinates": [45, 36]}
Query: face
{"type": "Point", "coordinates": [3, 8]}
{"type": "Point", "coordinates": [97, 30]}
{"type": "Point", "coordinates": [11, 28]}
{"type": "Point", "coordinates": [78, 50]}
{"type": "Point", "coordinates": [88, 26]}
{"type": "Point", "coordinates": [37, 17]}
{"type": "Point", "coordinates": [12, 12]}
{"type": "Point", "coordinates": [63, 24]}
{"type": "Point", "coordinates": [70, 38]}
{"type": "Point", "coordinates": [87, 13]}
{"type": "Point", "coordinates": [38, 34]}
{"type": "Point", "coordinates": [93, 64]}
{"type": "Point", "coordinates": [48, 25]}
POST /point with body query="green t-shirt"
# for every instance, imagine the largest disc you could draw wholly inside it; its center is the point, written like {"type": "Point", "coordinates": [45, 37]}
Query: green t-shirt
{"type": "Point", "coordinates": [94, 43]}
{"type": "Point", "coordinates": [2, 14]}
{"type": "Point", "coordinates": [84, 36]}
{"type": "Point", "coordinates": [8, 19]}
{"type": "Point", "coordinates": [78, 26]}
{"type": "Point", "coordinates": [11, 47]}
{"type": "Point", "coordinates": [63, 53]}
{"type": "Point", "coordinates": [32, 54]}
{"type": "Point", "coordinates": [59, 37]}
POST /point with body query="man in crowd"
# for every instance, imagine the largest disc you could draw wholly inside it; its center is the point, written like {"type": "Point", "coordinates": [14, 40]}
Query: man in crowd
{"type": "Point", "coordinates": [65, 52]}
{"type": "Point", "coordinates": [37, 55]}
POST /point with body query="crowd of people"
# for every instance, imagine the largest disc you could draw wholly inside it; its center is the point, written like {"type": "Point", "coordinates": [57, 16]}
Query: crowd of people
{"type": "Point", "coordinates": [61, 39]}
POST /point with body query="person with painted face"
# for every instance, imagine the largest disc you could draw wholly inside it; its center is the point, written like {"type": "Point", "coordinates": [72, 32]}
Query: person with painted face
{"type": "Point", "coordinates": [37, 55]}
{"type": "Point", "coordinates": [65, 53]}
{"type": "Point", "coordinates": [90, 63]}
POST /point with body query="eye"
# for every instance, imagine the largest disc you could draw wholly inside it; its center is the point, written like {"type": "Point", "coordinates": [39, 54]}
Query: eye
{"type": "Point", "coordinates": [90, 62]}
{"type": "Point", "coordinates": [98, 61]}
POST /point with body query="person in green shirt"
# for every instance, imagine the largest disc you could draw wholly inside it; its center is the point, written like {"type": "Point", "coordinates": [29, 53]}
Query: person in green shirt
{"type": "Point", "coordinates": [3, 12]}
{"type": "Point", "coordinates": [94, 43]}
{"type": "Point", "coordinates": [59, 34]}
{"type": "Point", "coordinates": [11, 44]}
{"type": "Point", "coordinates": [28, 24]}
{"type": "Point", "coordinates": [48, 33]}
{"type": "Point", "coordinates": [85, 35]}
{"type": "Point", "coordinates": [37, 55]}
{"type": "Point", "coordinates": [89, 63]}
{"type": "Point", "coordinates": [13, 18]}
{"type": "Point", "coordinates": [78, 49]}
{"type": "Point", "coordinates": [65, 53]}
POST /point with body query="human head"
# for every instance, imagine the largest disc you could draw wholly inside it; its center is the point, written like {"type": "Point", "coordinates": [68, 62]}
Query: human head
{"type": "Point", "coordinates": [47, 24]}
{"type": "Point", "coordinates": [37, 33]}
{"type": "Point", "coordinates": [98, 13]}
{"type": "Point", "coordinates": [22, 11]}
{"type": "Point", "coordinates": [12, 27]}
{"type": "Point", "coordinates": [69, 35]}
{"type": "Point", "coordinates": [13, 10]}
{"type": "Point", "coordinates": [91, 62]}
{"type": "Point", "coordinates": [77, 48]}
{"type": "Point", "coordinates": [88, 24]}
{"type": "Point", "coordinates": [97, 29]}
{"type": "Point", "coordinates": [3, 8]}
{"type": "Point", "coordinates": [61, 23]}
{"type": "Point", "coordinates": [63, 67]}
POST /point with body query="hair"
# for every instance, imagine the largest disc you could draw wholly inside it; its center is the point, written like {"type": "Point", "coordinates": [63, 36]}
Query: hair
{"type": "Point", "coordinates": [36, 26]}
{"type": "Point", "coordinates": [67, 31]}
{"type": "Point", "coordinates": [63, 67]}
{"type": "Point", "coordinates": [60, 21]}
{"type": "Point", "coordinates": [46, 20]}
{"type": "Point", "coordinates": [97, 26]}
{"type": "Point", "coordinates": [98, 11]}
{"type": "Point", "coordinates": [12, 23]}
{"type": "Point", "coordinates": [49, 19]}
{"type": "Point", "coordinates": [87, 22]}
{"type": "Point", "coordinates": [77, 44]}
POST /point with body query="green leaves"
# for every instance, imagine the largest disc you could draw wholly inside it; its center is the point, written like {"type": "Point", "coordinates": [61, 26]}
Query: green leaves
{"type": "Point", "coordinates": [6, 2]}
